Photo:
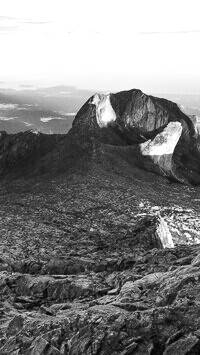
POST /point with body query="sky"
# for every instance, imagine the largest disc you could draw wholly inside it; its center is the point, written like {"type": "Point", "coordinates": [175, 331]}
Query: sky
{"type": "Point", "coordinates": [108, 45]}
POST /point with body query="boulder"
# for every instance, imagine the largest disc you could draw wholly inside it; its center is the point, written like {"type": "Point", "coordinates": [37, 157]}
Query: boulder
{"type": "Point", "coordinates": [152, 232]}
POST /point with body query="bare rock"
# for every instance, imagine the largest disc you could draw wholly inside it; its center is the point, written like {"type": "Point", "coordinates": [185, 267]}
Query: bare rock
{"type": "Point", "coordinates": [152, 232]}
{"type": "Point", "coordinates": [196, 261]}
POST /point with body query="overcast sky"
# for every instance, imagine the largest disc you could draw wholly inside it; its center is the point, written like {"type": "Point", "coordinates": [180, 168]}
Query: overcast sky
{"type": "Point", "coordinates": [102, 44]}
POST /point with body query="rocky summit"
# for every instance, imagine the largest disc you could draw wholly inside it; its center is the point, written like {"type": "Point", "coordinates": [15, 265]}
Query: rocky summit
{"type": "Point", "coordinates": [100, 243]}
{"type": "Point", "coordinates": [152, 133]}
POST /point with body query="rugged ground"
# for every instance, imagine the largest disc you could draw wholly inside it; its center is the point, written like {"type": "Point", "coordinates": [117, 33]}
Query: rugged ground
{"type": "Point", "coordinates": [83, 271]}
{"type": "Point", "coordinates": [97, 255]}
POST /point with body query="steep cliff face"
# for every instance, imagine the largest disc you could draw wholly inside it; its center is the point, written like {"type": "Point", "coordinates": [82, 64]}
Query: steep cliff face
{"type": "Point", "coordinates": [104, 111]}
{"type": "Point", "coordinates": [163, 138]}
{"type": "Point", "coordinates": [148, 113]}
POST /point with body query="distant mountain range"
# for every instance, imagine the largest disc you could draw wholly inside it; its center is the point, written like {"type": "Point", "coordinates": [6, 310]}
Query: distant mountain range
{"type": "Point", "coordinates": [52, 109]}
{"type": "Point", "coordinates": [47, 110]}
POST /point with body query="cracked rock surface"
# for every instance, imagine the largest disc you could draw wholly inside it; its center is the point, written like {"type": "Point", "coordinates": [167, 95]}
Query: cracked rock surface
{"type": "Point", "coordinates": [84, 268]}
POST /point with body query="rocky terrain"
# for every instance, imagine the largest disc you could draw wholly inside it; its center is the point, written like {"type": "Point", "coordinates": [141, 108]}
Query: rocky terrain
{"type": "Point", "coordinates": [97, 255]}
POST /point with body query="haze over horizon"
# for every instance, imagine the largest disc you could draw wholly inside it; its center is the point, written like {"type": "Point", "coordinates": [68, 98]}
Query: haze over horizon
{"type": "Point", "coordinates": [110, 46]}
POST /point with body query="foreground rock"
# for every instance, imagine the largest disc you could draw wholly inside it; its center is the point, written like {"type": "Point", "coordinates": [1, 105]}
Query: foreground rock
{"type": "Point", "coordinates": [125, 312]}
{"type": "Point", "coordinates": [144, 301]}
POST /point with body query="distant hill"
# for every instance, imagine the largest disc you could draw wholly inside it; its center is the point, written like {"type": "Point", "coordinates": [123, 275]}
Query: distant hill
{"type": "Point", "coordinates": [52, 109]}
{"type": "Point", "coordinates": [47, 110]}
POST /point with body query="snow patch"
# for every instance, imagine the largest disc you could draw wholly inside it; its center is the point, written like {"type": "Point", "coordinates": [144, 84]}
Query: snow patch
{"type": "Point", "coordinates": [104, 111]}
{"type": "Point", "coordinates": [165, 142]}
{"type": "Point", "coordinates": [164, 234]}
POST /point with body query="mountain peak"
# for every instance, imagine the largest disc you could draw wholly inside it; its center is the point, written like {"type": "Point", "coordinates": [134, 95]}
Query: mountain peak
{"type": "Point", "coordinates": [128, 127]}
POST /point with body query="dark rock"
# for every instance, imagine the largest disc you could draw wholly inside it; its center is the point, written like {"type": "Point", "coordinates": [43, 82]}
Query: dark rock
{"type": "Point", "coordinates": [10, 347]}
{"type": "Point", "coordinates": [183, 346]}
{"type": "Point", "coordinates": [39, 346]}
{"type": "Point", "coordinates": [129, 349]}
{"type": "Point", "coordinates": [173, 337]}
{"type": "Point", "coordinates": [15, 325]}
{"type": "Point", "coordinates": [21, 150]}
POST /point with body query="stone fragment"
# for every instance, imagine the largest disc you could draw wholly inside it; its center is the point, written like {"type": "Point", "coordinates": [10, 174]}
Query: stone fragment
{"type": "Point", "coordinates": [182, 346]}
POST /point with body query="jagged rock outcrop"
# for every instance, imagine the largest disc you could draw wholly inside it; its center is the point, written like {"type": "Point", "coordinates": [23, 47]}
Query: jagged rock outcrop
{"type": "Point", "coordinates": [166, 137]}
{"type": "Point", "coordinates": [20, 151]}
{"type": "Point", "coordinates": [128, 128]}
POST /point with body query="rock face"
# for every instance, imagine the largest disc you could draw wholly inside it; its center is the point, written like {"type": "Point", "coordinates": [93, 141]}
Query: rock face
{"type": "Point", "coordinates": [161, 149]}
{"type": "Point", "coordinates": [104, 111]}
{"type": "Point", "coordinates": [165, 142]}
{"type": "Point", "coordinates": [128, 128]}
